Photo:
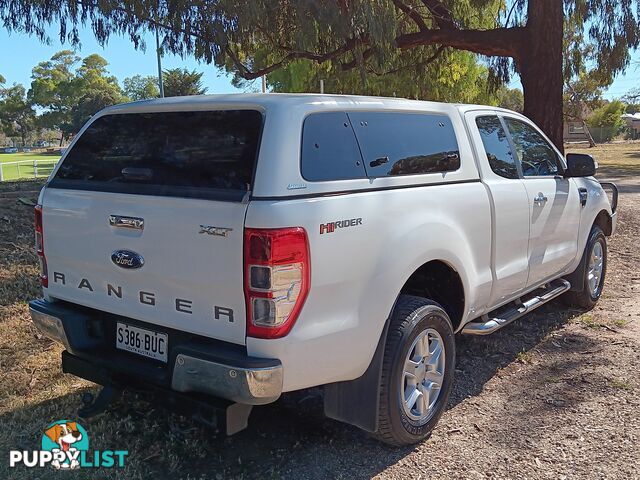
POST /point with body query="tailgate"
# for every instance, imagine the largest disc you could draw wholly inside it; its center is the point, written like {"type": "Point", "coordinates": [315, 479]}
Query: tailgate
{"type": "Point", "coordinates": [144, 218]}
{"type": "Point", "coordinates": [189, 280]}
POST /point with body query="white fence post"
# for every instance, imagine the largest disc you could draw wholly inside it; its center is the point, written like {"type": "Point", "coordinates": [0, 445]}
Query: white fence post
{"type": "Point", "coordinates": [36, 164]}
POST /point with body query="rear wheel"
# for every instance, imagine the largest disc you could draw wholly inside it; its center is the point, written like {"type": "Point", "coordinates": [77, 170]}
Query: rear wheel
{"type": "Point", "coordinates": [417, 371]}
{"type": "Point", "coordinates": [595, 261]}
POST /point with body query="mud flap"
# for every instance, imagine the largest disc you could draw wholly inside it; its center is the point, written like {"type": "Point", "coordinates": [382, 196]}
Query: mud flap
{"type": "Point", "coordinates": [357, 402]}
{"type": "Point", "coordinates": [576, 278]}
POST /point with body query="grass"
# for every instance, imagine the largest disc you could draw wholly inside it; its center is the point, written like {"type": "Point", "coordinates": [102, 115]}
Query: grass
{"type": "Point", "coordinates": [26, 170]}
{"type": "Point", "coordinates": [619, 159]}
{"type": "Point", "coordinates": [621, 384]}
{"type": "Point", "coordinates": [34, 391]}
{"type": "Point", "coordinates": [621, 322]}
{"type": "Point", "coordinates": [524, 357]}
{"type": "Point", "coordinates": [589, 322]}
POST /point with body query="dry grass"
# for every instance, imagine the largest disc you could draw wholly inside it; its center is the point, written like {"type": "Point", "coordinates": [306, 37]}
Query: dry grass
{"type": "Point", "coordinates": [614, 159]}
{"type": "Point", "coordinates": [551, 396]}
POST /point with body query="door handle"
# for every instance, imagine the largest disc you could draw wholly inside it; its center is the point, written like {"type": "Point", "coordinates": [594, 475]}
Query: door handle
{"type": "Point", "coordinates": [584, 194]}
{"type": "Point", "coordinates": [379, 161]}
{"type": "Point", "coordinates": [540, 199]}
{"type": "Point", "coordinates": [126, 222]}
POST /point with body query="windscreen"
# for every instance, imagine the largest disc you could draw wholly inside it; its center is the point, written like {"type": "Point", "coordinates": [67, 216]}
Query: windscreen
{"type": "Point", "coordinates": [207, 154]}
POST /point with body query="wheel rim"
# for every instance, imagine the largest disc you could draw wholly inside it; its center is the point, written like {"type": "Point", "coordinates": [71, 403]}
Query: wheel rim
{"type": "Point", "coordinates": [595, 268]}
{"type": "Point", "coordinates": [422, 375]}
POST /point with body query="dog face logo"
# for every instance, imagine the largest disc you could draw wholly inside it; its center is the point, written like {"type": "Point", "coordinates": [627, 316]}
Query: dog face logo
{"type": "Point", "coordinates": [68, 438]}
{"type": "Point", "coordinates": [64, 434]}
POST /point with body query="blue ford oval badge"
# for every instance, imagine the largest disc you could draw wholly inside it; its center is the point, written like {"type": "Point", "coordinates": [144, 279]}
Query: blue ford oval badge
{"type": "Point", "coordinates": [127, 259]}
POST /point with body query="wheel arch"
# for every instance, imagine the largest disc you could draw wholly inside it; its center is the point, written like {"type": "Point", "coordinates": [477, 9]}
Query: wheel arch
{"type": "Point", "coordinates": [440, 281]}
{"type": "Point", "coordinates": [364, 391]}
{"type": "Point", "coordinates": [604, 221]}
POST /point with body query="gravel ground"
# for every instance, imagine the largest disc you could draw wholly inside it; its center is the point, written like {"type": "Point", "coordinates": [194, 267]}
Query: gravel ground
{"type": "Point", "coordinates": [553, 395]}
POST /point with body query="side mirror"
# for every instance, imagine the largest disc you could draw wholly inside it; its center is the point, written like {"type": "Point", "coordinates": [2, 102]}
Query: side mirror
{"type": "Point", "coordinates": [580, 165]}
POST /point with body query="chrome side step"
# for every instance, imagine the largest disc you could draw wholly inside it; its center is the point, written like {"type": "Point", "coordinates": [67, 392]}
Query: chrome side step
{"type": "Point", "coordinates": [489, 325]}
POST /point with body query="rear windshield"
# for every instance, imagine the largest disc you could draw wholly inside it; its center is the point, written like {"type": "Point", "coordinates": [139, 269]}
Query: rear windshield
{"type": "Point", "coordinates": [208, 154]}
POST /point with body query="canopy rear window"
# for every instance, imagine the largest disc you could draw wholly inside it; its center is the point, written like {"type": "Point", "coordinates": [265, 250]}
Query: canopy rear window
{"type": "Point", "coordinates": [207, 154]}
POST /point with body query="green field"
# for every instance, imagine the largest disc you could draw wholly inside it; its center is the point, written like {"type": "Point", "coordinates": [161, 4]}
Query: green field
{"type": "Point", "coordinates": [26, 170]}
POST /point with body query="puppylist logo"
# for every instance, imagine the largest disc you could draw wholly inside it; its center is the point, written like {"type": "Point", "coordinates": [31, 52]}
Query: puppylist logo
{"type": "Point", "coordinates": [65, 445]}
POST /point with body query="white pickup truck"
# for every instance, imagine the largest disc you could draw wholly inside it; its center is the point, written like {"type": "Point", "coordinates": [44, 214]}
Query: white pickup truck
{"type": "Point", "coordinates": [218, 251]}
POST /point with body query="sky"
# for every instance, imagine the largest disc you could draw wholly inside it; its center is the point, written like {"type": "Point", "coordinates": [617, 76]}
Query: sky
{"type": "Point", "coordinates": [19, 53]}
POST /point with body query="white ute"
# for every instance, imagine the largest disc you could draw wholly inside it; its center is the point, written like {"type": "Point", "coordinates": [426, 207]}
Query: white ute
{"type": "Point", "coordinates": [218, 251]}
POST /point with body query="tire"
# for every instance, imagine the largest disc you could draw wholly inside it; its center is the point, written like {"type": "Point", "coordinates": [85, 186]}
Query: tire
{"type": "Point", "coordinates": [413, 319]}
{"type": "Point", "coordinates": [588, 296]}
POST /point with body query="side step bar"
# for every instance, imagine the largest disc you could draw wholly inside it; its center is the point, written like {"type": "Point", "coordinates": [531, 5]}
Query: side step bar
{"type": "Point", "coordinates": [489, 325]}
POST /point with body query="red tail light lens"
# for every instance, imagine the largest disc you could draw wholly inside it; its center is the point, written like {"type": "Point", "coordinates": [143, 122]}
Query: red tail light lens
{"type": "Point", "coordinates": [276, 279]}
{"type": "Point", "coordinates": [44, 278]}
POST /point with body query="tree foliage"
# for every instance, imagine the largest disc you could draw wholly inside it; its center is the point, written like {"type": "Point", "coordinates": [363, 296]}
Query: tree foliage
{"type": "Point", "coordinates": [582, 95]}
{"type": "Point", "coordinates": [450, 76]}
{"type": "Point", "coordinates": [608, 116]}
{"type": "Point", "coordinates": [17, 117]}
{"type": "Point", "coordinates": [180, 81]}
{"type": "Point", "coordinates": [69, 93]}
{"type": "Point", "coordinates": [632, 99]}
{"type": "Point", "coordinates": [511, 98]}
{"type": "Point", "coordinates": [140, 87]}
{"type": "Point", "coordinates": [257, 37]}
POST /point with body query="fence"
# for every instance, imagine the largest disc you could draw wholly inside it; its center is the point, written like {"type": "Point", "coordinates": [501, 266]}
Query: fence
{"type": "Point", "coordinates": [26, 169]}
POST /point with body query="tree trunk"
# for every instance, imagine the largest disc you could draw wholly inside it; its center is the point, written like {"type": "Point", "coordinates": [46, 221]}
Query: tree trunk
{"type": "Point", "coordinates": [592, 142]}
{"type": "Point", "coordinates": [540, 66]}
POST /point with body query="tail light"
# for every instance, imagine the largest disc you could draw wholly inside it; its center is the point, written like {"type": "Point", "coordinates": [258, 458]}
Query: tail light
{"type": "Point", "coordinates": [44, 278]}
{"type": "Point", "coordinates": [276, 279]}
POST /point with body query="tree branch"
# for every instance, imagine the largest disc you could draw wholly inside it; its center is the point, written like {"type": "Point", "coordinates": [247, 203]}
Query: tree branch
{"type": "Point", "coordinates": [423, 63]}
{"type": "Point", "coordinates": [441, 14]}
{"type": "Point", "coordinates": [366, 55]}
{"type": "Point", "coordinates": [411, 13]}
{"type": "Point", "coordinates": [248, 74]}
{"type": "Point", "coordinates": [501, 42]}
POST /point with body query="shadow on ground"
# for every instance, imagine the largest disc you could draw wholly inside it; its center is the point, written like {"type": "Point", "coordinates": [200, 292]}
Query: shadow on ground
{"type": "Point", "coordinates": [170, 446]}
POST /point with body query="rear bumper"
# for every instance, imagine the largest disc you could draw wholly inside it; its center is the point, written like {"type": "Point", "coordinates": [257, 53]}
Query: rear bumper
{"type": "Point", "coordinates": [196, 364]}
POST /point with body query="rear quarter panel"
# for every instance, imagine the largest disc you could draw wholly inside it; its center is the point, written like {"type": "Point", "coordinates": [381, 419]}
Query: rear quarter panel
{"type": "Point", "coordinates": [357, 272]}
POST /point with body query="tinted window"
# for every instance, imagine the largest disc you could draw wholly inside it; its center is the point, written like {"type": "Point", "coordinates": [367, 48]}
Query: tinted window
{"type": "Point", "coordinates": [329, 148]}
{"type": "Point", "coordinates": [168, 153]}
{"type": "Point", "coordinates": [405, 143]}
{"type": "Point", "coordinates": [534, 152]}
{"type": "Point", "coordinates": [496, 146]}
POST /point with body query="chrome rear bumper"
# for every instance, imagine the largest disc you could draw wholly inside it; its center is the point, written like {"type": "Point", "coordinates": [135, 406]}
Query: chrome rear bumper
{"type": "Point", "coordinates": [50, 326]}
{"type": "Point", "coordinates": [238, 378]}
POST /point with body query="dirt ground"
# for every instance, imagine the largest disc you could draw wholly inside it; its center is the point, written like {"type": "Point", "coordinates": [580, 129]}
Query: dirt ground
{"type": "Point", "coordinates": [553, 395]}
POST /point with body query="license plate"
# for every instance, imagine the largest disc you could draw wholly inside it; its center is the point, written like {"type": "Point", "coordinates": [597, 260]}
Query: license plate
{"type": "Point", "coordinates": [142, 341]}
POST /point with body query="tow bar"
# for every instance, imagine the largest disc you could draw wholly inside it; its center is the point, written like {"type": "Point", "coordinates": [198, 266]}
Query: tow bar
{"type": "Point", "coordinates": [221, 415]}
{"type": "Point", "coordinates": [96, 406]}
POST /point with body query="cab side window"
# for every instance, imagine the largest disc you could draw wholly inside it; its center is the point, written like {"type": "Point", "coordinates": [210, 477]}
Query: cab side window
{"type": "Point", "coordinates": [496, 146]}
{"type": "Point", "coordinates": [536, 156]}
